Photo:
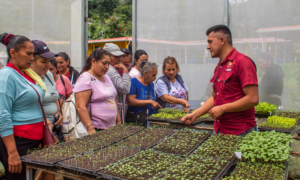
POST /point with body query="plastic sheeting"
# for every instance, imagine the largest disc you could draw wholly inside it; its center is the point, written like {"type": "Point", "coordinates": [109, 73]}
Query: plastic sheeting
{"type": "Point", "coordinates": [177, 28]}
{"type": "Point", "coordinates": [49, 21]}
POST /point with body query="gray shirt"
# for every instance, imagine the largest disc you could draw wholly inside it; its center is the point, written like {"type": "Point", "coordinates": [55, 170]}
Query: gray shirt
{"type": "Point", "coordinates": [122, 85]}
{"type": "Point", "coordinates": [50, 98]}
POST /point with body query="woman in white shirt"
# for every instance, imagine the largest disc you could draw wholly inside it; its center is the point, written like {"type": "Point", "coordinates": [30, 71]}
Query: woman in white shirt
{"type": "Point", "coordinates": [139, 56]}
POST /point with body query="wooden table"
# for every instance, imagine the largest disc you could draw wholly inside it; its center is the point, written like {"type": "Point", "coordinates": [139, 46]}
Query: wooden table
{"type": "Point", "coordinates": [58, 171]}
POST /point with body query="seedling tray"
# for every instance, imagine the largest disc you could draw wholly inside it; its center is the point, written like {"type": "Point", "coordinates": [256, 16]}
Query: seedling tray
{"type": "Point", "coordinates": [93, 137]}
{"type": "Point", "coordinates": [53, 162]}
{"type": "Point", "coordinates": [76, 169]}
{"type": "Point", "coordinates": [262, 115]}
{"type": "Point", "coordinates": [156, 119]}
{"type": "Point", "coordinates": [285, 177]}
{"type": "Point", "coordinates": [114, 177]}
{"type": "Point", "coordinates": [40, 163]}
{"type": "Point", "coordinates": [149, 146]}
{"type": "Point", "coordinates": [197, 121]}
{"type": "Point", "coordinates": [127, 153]}
{"type": "Point", "coordinates": [189, 152]}
{"type": "Point", "coordinates": [218, 176]}
{"type": "Point", "coordinates": [288, 131]}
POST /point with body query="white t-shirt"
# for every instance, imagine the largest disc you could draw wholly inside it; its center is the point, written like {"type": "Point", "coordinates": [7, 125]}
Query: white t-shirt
{"type": "Point", "coordinates": [134, 73]}
{"type": "Point", "coordinates": [176, 91]}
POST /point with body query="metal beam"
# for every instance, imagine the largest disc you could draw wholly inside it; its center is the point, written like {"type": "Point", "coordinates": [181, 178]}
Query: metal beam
{"type": "Point", "coordinates": [226, 13]}
{"type": "Point", "coordinates": [85, 40]}
{"type": "Point", "coordinates": [134, 27]}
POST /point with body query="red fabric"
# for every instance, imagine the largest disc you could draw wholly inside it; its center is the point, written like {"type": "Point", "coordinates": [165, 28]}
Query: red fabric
{"type": "Point", "coordinates": [68, 74]}
{"type": "Point", "coordinates": [120, 71]}
{"type": "Point", "coordinates": [30, 131]}
{"type": "Point", "coordinates": [23, 74]}
{"type": "Point", "coordinates": [230, 77]}
{"type": "Point", "coordinates": [7, 38]}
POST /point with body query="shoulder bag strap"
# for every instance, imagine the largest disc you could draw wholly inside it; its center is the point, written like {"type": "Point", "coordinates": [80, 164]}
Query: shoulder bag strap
{"type": "Point", "coordinates": [63, 82]}
{"type": "Point", "coordinates": [62, 79]}
{"type": "Point", "coordinates": [42, 108]}
{"type": "Point", "coordinates": [48, 78]}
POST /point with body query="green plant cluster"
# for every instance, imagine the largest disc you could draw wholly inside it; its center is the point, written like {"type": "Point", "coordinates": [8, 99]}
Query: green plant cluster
{"type": "Point", "coordinates": [220, 147]}
{"type": "Point", "coordinates": [265, 108]}
{"type": "Point", "coordinates": [266, 147]}
{"type": "Point", "coordinates": [173, 113]}
{"type": "Point", "coordinates": [109, 19]}
{"type": "Point", "coordinates": [64, 151]}
{"type": "Point", "coordinates": [143, 165]}
{"type": "Point", "coordinates": [170, 110]}
{"type": "Point", "coordinates": [195, 167]}
{"type": "Point", "coordinates": [181, 142]}
{"type": "Point", "coordinates": [146, 138]}
{"type": "Point", "coordinates": [98, 160]}
{"type": "Point", "coordinates": [113, 134]}
{"type": "Point", "coordinates": [256, 171]}
{"type": "Point", "coordinates": [169, 113]}
{"type": "Point", "coordinates": [277, 122]}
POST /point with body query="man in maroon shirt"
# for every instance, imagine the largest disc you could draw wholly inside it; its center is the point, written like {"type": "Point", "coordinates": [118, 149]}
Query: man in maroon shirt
{"type": "Point", "coordinates": [235, 87]}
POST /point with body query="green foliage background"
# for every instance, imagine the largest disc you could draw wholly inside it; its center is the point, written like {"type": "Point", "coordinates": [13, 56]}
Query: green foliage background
{"type": "Point", "coordinates": [113, 17]}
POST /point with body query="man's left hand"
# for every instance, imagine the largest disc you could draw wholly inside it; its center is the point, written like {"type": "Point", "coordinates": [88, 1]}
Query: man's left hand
{"type": "Point", "coordinates": [216, 112]}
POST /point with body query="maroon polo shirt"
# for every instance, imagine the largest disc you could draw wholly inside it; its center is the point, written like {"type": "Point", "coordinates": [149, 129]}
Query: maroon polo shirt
{"type": "Point", "coordinates": [230, 77]}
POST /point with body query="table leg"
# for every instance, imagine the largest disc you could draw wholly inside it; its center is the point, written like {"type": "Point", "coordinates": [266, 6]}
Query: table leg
{"type": "Point", "coordinates": [29, 173]}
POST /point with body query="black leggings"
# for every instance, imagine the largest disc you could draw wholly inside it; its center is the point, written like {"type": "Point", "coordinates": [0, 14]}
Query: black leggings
{"type": "Point", "coordinates": [23, 145]}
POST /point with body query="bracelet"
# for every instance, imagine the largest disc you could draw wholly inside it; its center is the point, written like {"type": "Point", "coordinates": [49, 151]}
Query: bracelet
{"type": "Point", "coordinates": [89, 125]}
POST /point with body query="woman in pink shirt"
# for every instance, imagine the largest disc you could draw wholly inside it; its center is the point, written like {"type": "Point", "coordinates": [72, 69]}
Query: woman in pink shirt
{"type": "Point", "coordinates": [63, 84]}
{"type": "Point", "coordinates": [95, 94]}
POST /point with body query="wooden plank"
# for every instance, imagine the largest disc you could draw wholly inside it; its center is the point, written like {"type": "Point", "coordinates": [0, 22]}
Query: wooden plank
{"type": "Point", "coordinates": [64, 173]}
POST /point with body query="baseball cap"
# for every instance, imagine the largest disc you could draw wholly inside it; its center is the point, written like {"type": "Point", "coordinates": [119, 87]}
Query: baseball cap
{"type": "Point", "coordinates": [113, 49]}
{"type": "Point", "coordinates": [125, 51]}
{"type": "Point", "coordinates": [42, 49]}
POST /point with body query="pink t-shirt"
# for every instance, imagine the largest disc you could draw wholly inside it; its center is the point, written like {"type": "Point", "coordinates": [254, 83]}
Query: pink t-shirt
{"type": "Point", "coordinates": [104, 109]}
{"type": "Point", "coordinates": [64, 90]}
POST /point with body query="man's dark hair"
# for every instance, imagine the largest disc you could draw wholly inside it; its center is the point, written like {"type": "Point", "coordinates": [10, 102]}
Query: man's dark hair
{"type": "Point", "coordinates": [222, 29]}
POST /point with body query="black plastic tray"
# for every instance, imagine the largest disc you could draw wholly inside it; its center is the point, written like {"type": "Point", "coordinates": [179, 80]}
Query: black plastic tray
{"type": "Point", "coordinates": [218, 177]}
{"type": "Point", "coordinates": [150, 146]}
{"type": "Point", "coordinates": [288, 131]}
{"type": "Point", "coordinates": [260, 115]}
{"type": "Point", "coordinates": [156, 119]}
{"type": "Point", "coordinates": [188, 153]}
{"type": "Point", "coordinates": [88, 171]}
{"type": "Point", "coordinates": [106, 176]}
{"type": "Point", "coordinates": [53, 164]}
{"type": "Point", "coordinates": [285, 177]}
{"type": "Point", "coordinates": [197, 121]}
{"type": "Point", "coordinates": [107, 144]}
{"type": "Point", "coordinates": [298, 132]}
{"type": "Point", "coordinates": [81, 170]}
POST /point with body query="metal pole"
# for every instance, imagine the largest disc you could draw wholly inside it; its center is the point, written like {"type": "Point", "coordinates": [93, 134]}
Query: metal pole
{"type": "Point", "coordinates": [29, 173]}
{"type": "Point", "coordinates": [134, 27]}
{"type": "Point", "coordinates": [85, 40]}
{"type": "Point", "coordinates": [226, 14]}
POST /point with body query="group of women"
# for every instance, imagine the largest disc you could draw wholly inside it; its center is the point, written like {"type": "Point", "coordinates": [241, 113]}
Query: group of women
{"type": "Point", "coordinates": [33, 71]}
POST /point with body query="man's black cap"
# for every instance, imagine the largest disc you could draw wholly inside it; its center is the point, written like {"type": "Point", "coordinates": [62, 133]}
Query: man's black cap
{"type": "Point", "coordinates": [126, 51]}
{"type": "Point", "coordinates": [41, 49]}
